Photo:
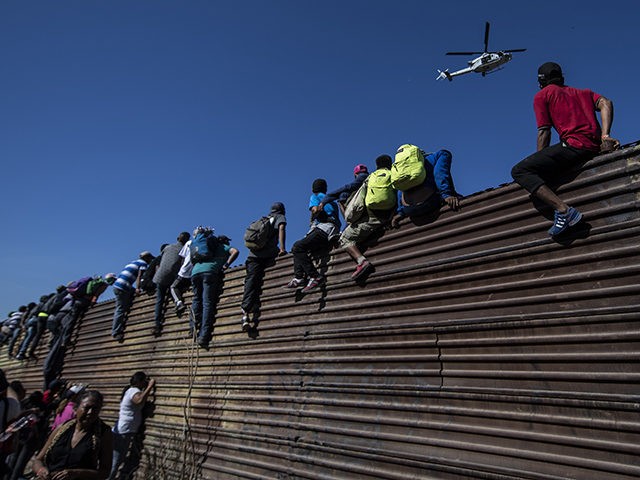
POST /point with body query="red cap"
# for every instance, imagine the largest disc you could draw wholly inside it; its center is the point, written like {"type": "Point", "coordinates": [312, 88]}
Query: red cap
{"type": "Point", "coordinates": [360, 168]}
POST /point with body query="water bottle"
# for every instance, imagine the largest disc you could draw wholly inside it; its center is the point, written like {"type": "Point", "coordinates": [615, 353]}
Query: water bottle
{"type": "Point", "coordinates": [18, 425]}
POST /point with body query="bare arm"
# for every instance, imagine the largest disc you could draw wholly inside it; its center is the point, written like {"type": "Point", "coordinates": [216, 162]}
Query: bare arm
{"type": "Point", "coordinates": [233, 254]}
{"type": "Point", "coordinates": [605, 107]}
{"type": "Point", "coordinates": [137, 283]}
{"type": "Point", "coordinates": [282, 236]}
{"type": "Point", "coordinates": [141, 397]}
{"type": "Point", "coordinates": [38, 467]}
{"type": "Point", "coordinates": [544, 138]}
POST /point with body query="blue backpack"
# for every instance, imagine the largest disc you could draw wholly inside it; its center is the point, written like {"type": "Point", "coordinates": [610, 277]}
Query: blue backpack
{"type": "Point", "coordinates": [203, 248]}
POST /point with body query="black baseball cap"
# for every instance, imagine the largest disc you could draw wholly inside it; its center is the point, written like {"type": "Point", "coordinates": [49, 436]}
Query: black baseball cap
{"type": "Point", "coordinates": [549, 71]}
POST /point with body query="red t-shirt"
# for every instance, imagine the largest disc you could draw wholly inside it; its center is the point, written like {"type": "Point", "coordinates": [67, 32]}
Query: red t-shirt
{"type": "Point", "coordinates": [572, 112]}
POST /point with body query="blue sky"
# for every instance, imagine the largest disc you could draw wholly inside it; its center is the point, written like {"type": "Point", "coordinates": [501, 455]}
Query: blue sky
{"type": "Point", "coordinates": [123, 123]}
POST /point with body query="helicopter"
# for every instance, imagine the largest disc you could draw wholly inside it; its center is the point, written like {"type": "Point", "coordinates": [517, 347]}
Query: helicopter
{"type": "Point", "coordinates": [486, 62]}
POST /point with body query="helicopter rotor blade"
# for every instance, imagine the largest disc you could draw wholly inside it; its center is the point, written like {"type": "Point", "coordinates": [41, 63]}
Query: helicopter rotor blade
{"type": "Point", "coordinates": [463, 53]}
{"type": "Point", "coordinates": [515, 50]}
{"type": "Point", "coordinates": [486, 37]}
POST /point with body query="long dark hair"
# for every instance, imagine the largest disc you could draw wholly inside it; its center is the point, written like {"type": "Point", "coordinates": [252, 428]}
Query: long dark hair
{"type": "Point", "coordinates": [137, 379]}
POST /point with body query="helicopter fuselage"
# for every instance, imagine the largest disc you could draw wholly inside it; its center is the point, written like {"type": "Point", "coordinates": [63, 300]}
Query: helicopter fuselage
{"type": "Point", "coordinates": [488, 61]}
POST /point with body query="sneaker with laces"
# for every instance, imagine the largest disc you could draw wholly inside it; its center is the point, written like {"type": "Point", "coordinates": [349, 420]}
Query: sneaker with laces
{"type": "Point", "coordinates": [245, 321]}
{"type": "Point", "coordinates": [313, 284]}
{"type": "Point", "coordinates": [562, 221]}
{"type": "Point", "coordinates": [180, 308]}
{"type": "Point", "coordinates": [294, 283]}
{"type": "Point", "coordinates": [361, 269]}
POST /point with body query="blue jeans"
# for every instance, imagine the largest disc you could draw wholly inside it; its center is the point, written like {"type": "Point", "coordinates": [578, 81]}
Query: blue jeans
{"type": "Point", "coordinates": [32, 329]}
{"type": "Point", "coordinates": [126, 455]}
{"type": "Point", "coordinates": [124, 300]}
{"type": "Point", "coordinates": [161, 295]}
{"type": "Point", "coordinates": [206, 289]}
{"type": "Point", "coordinates": [14, 338]}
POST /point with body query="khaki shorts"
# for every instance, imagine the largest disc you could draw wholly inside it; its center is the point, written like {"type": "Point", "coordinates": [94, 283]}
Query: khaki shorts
{"type": "Point", "coordinates": [360, 231]}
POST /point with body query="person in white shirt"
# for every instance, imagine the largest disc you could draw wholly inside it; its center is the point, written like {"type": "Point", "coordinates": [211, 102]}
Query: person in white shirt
{"type": "Point", "coordinates": [126, 444]}
{"type": "Point", "coordinates": [183, 281]}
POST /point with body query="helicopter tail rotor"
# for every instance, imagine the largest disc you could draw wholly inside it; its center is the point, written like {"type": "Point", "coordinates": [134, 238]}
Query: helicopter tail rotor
{"type": "Point", "coordinates": [442, 75]}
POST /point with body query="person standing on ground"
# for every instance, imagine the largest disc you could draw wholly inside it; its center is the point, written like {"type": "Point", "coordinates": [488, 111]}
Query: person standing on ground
{"type": "Point", "coordinates": [127, 446]}
{"type": "Point", "coordinates": [80, 448]}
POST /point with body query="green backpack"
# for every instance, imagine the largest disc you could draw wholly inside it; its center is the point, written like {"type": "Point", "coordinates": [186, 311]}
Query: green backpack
{"type": "Point", "coordinates": [380, 193]}
{"type": "Point", "coordinates": [408, 170]}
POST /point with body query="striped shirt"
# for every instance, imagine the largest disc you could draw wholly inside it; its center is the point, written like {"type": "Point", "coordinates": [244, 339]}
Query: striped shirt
{"type": "Point", "coordinates": [127, 277]}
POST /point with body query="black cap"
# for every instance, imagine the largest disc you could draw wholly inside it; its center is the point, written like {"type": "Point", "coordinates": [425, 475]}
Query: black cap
{"type": "Point", "coordinates": [550, 72]}
{"type": "Point", "coordinates": [277, 207]}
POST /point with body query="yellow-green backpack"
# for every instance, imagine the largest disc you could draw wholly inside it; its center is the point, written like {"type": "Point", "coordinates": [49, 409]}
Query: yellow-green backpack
{"type": "Point", "coordinates": [380, 193]}
{"type": "Point", "coordinates": [408, 169]}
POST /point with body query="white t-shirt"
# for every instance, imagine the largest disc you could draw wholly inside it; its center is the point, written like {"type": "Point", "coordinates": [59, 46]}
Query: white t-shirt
{"type": "Point", "coordinates": [130, 416]}
{"type": "Point", "coordinates": [185, 269]}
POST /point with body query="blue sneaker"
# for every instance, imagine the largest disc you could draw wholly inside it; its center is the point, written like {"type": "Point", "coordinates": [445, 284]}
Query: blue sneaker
{"type": "Point", "coordinates": [562, 221]}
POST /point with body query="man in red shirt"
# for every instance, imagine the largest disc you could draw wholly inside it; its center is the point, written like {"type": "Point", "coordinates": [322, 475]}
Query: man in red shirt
{"type": "Point", "coordinates": [572, 112]}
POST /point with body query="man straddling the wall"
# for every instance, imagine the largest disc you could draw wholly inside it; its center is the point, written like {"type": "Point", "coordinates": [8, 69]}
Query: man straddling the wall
{"type": "Point", "coordinates": [125, 288]}
{"type": "Point", "coordinates": [210, 256]}
{"type": "Point", "coordinates": [164, 276]}
{"type": "Point", "coordinates": [325, 226]}
{"type": "Point", "coordinates": [572, 112]}
{"type": "Point", "coordinates": [261, 258]}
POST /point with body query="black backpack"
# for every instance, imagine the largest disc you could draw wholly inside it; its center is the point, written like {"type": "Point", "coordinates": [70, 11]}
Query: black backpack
{"type": "Point", "coordinates": [146, 280]}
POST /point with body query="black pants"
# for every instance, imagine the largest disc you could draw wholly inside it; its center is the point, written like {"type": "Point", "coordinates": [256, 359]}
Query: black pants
{"type": "Point", "coordinates": [178, 287]}
{"type": "Point", "coordinates": [315, 242]}
{"type": "Point", "coordinates": [546, 165]}
{"type": "Point", "coordinates": [255, 268]}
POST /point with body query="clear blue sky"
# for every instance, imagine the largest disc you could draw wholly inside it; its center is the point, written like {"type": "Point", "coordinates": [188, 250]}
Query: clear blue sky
{"type": "Point", "coordinates": [123, 123]}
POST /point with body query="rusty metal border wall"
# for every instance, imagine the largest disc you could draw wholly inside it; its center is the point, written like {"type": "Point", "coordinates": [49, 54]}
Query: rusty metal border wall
{"type": "Point", "coordinates": [479, 348]}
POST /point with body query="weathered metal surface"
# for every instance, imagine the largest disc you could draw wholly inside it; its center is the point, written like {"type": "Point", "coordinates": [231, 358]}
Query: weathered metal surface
{"type": "Point", "coordinates": [478, 349]}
